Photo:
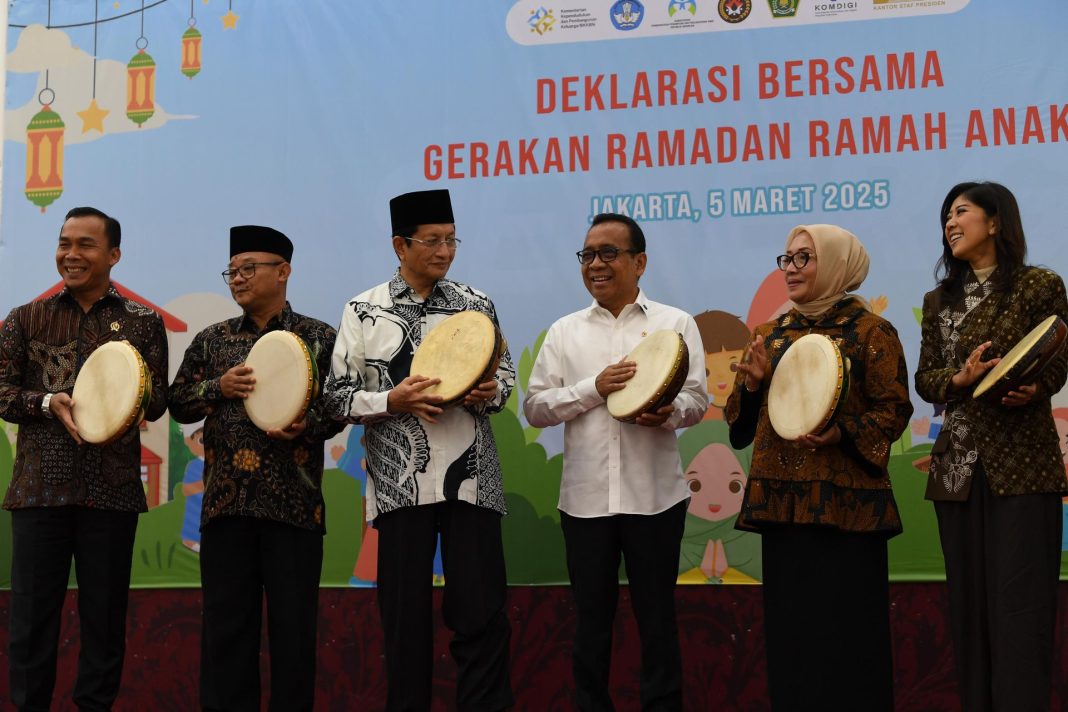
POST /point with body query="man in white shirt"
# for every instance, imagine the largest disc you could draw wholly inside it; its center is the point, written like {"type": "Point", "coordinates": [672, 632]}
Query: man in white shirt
{"type": "Point", "coordinates": [433, 471]}
{"type": "Point", "coordinates": [623, 492]}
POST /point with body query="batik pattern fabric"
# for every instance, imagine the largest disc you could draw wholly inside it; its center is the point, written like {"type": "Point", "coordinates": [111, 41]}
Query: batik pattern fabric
{"type": "Point", "coordinates": [410, 461]}
{"type": "Point", "coordinates": [246, 472]}
{"type": "Point", "coordinates": [844, 486]}
{"type": "Point", "coordinates": [43, 346]}
{"type": "Point", "coordinates": [1017, 445]}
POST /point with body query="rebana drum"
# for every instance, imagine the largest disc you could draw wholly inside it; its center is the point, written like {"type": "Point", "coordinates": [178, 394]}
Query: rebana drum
{"type": "Point", "coordinates": [1025, 361]}
{"type": "Point", "coordinates": [287, 378]}
{"type": "Point", "coordinates": [111, 393]}
{"type": "Point", "coordinates": [809, 386]}
{"type": "Point", "coordinates": [463, 350]}
{"type": "Point", "coordinates": [661, 362]}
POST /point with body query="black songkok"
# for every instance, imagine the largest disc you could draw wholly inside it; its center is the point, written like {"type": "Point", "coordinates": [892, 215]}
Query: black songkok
{"type": "Point", "coordinates": [423, 207]}
{"type": "Point", "coordinates": [256, 238]}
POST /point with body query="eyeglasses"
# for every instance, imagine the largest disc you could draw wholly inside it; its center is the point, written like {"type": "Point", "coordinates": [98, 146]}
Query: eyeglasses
{"type": "Point", "coordinates": [799, 260]}
{"type": "Point", "coordinates": [450, 242]}
{"type": "Point", "coordinates": [247, 270]}
{"type": "Point", "coordinates": [607, 254]}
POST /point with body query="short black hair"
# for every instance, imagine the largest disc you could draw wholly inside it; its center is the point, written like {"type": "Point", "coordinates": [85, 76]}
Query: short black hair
{"type": "Point", "coordinates": [111, 226]}
{"type": "Point", "coordinates": [637, 237]}
{"type": "Point", "coordinates": [406, 232]}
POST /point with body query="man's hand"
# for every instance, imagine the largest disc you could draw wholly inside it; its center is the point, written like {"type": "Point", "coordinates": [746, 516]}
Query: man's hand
{"type": "Point", "coordinates": [481, 393]}
{"type": "Point", "coordinates": [408, 396]}
{"type": "Point", "coordinates": [61, 406]}
{"type": "Point", "coordinates": [614, 377]}
{"type": "Point", "coordinates": [238, 382]}
{"type": "Point", "coordinates": [655, 420]}
{"type": "Point", "coordinates": [290, 432]}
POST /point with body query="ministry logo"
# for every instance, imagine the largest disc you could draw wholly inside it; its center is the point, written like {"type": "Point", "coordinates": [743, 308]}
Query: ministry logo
{"type": "Point", "coordinates": [674, 6]}
{"type": "Point", "coordinates": [735, 11]}
{"type": "Point", "coordinates": [627, 14]}
{"type": "Point", "coordinates": [541, 20]}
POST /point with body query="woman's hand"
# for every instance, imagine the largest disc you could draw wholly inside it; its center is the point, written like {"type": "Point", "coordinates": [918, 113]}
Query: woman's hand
{"type": "Point", "coordinates": [754, 365]}
{"type": "Point", "coordinates": [973, 369]}
{"type": "Point", "coordinates": [1021, 396]}
{"type": "Point", "coordinates": [830, 436]}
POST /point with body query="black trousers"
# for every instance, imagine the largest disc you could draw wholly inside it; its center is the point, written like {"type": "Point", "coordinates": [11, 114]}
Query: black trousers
{"type": "Point", "coordinates": [649, 545]}
{"type": "Point", "coordinates": [241, 560]}
{"type": "Point", "coordinates": [827, 620]}
{"type": "Point", "coordinates": [472, 555]}
{"type": "Point", "coordinates": [43, 542]}
{"type": "Point", "coordinates": [1003, 558]}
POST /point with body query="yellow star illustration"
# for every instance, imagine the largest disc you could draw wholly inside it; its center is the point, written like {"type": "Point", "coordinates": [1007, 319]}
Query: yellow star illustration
{"type": "Point", "coordinates": [93, 118]}
{"type": "Point", "coordinates": [229, 20]}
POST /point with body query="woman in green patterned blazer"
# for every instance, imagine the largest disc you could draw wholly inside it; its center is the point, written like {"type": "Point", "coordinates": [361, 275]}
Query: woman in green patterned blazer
{"type": "Point", "coordinates": [996, 473]}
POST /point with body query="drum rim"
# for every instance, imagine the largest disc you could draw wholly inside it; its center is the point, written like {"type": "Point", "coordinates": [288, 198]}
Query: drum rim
{"type": "Point", "coordinates": [311, 387]}
{"type": "Point", "coordinates": [840, 389]}
{"type": "Point", "coordinates": [681, 356]}
{"type": "Point", "coordinates": [141, 400]}
{"type": "Point", "coordinates": [995, 385]}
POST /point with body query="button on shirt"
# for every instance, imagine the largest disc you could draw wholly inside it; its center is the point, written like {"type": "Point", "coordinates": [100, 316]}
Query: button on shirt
{"type": "Point", "coordinates": [411, 461]}
{"type": "Point", "coordinates": [612, 467]}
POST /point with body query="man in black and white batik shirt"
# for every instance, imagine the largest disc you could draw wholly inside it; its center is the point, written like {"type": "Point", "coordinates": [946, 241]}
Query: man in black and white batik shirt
{"type": "Point", "coordinates": [432, 471]}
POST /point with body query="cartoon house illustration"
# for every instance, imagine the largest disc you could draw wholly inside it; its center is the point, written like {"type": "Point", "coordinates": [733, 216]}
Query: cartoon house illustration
{"type": "Point", "coordinates": [155, 437]}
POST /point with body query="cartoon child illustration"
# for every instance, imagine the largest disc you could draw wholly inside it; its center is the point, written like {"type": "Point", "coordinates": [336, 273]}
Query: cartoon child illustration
{"type": "Point", "coordinates": [724, 337]}
{"type": "Point", "coordinates": [713, 551]}
{"type": "Point", "coordinates": [1060, 419]}
{"type": "Point", "coordinates": [193, 485]}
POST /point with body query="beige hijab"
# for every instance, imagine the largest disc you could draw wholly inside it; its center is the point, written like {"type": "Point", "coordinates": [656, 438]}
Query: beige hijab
{"type": "Point", "coordinates": [841, 266]}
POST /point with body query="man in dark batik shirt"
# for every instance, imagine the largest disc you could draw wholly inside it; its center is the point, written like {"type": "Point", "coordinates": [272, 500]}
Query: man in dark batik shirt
{"type": "Point", "coordinates": [263, 516]}
{"type": "Point", "coordinates": [70, 499]}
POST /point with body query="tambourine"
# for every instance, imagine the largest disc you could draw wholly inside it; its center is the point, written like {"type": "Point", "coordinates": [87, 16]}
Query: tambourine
{"type": "Point", "coordinates": [661, 362]}
{"type": "Point", "coordinates": [463, 351]}
{"type": "Point", "coordinates": [111, 393]}
{"type": "Point", "coordinates": [809, 386]}
{"type": "Point", "coordinates": [287, 378]}
{"type": "Point", "coordinates": [1025, 361]}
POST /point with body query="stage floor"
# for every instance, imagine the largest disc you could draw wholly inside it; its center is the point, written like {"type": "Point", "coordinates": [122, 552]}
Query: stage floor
{"type": "Point", "coordinates": [721, 631]}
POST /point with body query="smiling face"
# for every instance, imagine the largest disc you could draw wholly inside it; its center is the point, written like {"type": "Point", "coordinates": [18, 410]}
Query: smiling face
{"type": "Point", "coordinates": [720, 370]}
{"type": "Point", "coordinates": [970, 234]}
{"type": "Point", "coordinates": [84, 257]}
{"type": "Point", "coordinates": [613, 284]}
{"type": "Point", "coordinates": [800, 283]}
{"type": "Point", "coordinates": [716, 483]}
{"type": "Point", "coordinates": [265, 291]}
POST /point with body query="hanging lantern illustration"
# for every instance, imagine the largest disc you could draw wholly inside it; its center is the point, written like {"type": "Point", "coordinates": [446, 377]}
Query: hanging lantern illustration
{"type": "Point", "coordinates": [141, 86]}
{"type": "Point", "coordinates": [44, 155]}
{"type": "Point", "coordinates": [191, 39]}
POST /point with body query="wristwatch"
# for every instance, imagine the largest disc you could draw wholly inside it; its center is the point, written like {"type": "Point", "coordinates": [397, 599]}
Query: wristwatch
{"type": "Point", "coordinates": [45, 410]}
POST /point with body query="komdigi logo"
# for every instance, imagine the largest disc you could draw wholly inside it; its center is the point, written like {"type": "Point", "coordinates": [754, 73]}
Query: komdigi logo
{"type": "Point", "coordinates": [627, 14]}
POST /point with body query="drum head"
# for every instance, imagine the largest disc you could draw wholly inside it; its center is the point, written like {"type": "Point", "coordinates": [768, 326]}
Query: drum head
{"type": "Point", "coordinates": [1024, 350]}
{"type": "Point", "coordinates": [658, 358]}
{"type": "Point", "coordinates": [108, 392]}
{"type": "Point", "coordinates": [806, 387]}
{"type": "Point", "coordinates": [285, 380]}
{"type": "Point", "coordinates": [459, 351]}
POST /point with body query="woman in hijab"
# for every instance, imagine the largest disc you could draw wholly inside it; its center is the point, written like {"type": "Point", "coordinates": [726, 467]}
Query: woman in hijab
{"type": "Point", "coordinates": [823, 504]}
{"type": "Point", "coordinates": [996, 473]}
